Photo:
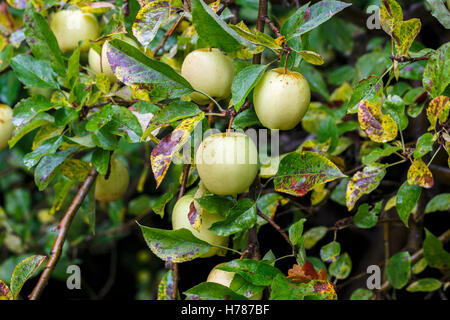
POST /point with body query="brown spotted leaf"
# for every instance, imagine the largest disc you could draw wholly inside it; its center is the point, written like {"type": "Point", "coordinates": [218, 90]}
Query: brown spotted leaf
{"type": "Point", "coordinates": [379, 127]}
{"type": "Point", "coordinates": [364, 182]}
{"type": "Point", "coordinates": [404, 34]}
{"type": "Point", "coordinates": [23, 271]}
{"type": "Point", "coordinates": [438, 109]}
{"type": "Point", "coordinates": [195, 216]}
{"type": "Point", "coordinates": [166, 286]}
{"type": "Point", "coordinates": [299, 172]}
{"type": "Point", "coordinates": [390, 15]}
{"type": "Point", "coordinates": [162, 154]}
{"type": "Point", "coordinates": [5, 293]}
{"type": "Point", "coordinates": [420, 175]}
{"type": "Point", "coordinates": [149, 19]}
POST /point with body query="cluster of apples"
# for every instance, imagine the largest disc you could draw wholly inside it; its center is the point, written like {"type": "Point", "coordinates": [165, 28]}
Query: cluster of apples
{"type": "Point", "coordinates": [226, 162]}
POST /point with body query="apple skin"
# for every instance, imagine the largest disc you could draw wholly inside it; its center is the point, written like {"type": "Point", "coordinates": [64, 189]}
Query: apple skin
{"type": "Point", "coordinates": [227, 163]}
{"type": "Point", "coordinates": [6, 125]}
{"type": "Point", "coordinates": [101, 65]}
{"type": "Point", "coordinates": [209, 71]}
{"type": "Point", "coordinates": [116, 185]}
{"type": "Point", "coordinates": [225, 278]}
{"type": "Point", "coordinates": [281, 100]}
{"type": "Point", "coordinates": [180, 220]}
{"type": "Point", "coordinates": [71, 26]}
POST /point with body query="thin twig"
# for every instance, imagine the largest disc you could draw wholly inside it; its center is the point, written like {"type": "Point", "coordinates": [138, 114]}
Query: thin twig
{"type": "Point", "coordinates": [226, 3]}
{"type": "Point", "coordinates": [63, 227]}
{"type": "Point", "coordinates": [277, 227]}
{"type": "Point", "coordinates": [408, 59]}
{"type": "Point", "coordinates": [262, 12]}
{"type": "Point", "coordinates": [184, 179]}
{"type": "Point", "coordinates": [168, 34]}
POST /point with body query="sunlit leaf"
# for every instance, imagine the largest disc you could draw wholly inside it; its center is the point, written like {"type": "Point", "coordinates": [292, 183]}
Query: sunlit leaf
{"type": "Point", "coordinates": [23, 271]}
{"type": "Point", "coordinates": [149, 19]}
{"type": "Point", "coordinates": [420, 175]}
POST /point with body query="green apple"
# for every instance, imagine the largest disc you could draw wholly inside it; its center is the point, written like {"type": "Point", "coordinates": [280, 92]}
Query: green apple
{"type": "Point", "coordinates": [227, 163]}
{"type": "Point", "coordinates": [6, 125]}
{"type": "Point", "coordinates": [281, 99]}
{"type": "Point", "coordinates": [100, 64]}
{"type": "Point", "coordinates": [113, 188]}
{"type": "Point", "coordinates": [208, 71]}
{"type": "Point", "coordinates": [225, 278]}
{"type": "Point", "coordinates": [72, 26]}
{"type": "Point", "coordinates": [180, 220]}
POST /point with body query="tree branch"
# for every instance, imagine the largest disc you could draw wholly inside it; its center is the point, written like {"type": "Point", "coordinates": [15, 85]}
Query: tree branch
{"type": "Point", "coordinates": [407, 59]}
{"type": "Point", "coordinates": [63, 227]}
{"type": "Point", "coordinates": [262, 12]}
{"type": "Point", "coordinates": [277, 227]}
{"type": "Point", "coordinates": [168, 34]}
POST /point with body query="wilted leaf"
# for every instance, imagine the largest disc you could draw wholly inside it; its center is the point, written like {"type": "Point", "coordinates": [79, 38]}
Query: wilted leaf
{"type": "Point", "coordinates": [364, 182]}
{"type": "Point", "coordinates": [299, 172]}
{"type": "Point", "coordinates": [420, 175]}
{"type": "Point", "coordinates": [162, 154]}
{"type": "Point", "coordinates": [379, 127]}
{"type": "Point", "coordinates": [174, 245]}
{"type": "Point", "coordinates": [306, 273]}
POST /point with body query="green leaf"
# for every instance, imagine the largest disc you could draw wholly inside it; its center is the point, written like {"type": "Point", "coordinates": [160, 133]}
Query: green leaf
{"type": "Point", "coordinates": [282, 289]}
{"type": "Point", "coordinates": [239, 218]}
{"type": "Point", "coordinates": [395, 107]}
{"type": "Point", "coordinates": [42, 41]}
{"type": "Point", "coordinates": [174, 245]}
{"type": "Point", "coordinates": [407, 198]}
{"type": "Point", "coordinates": [434, 252]}
{"type": "Point", "coordinates": [424, 145]}
{"type": "Point", "coordinates": [5, 57]}
{"type": "Point", "coordinates": [244, 82]}
{"type": "Point", "coordinates": [245, 119]}
{"type": "Point", "coordinates": [317, 14]}
{"type": "Point", "coordinates": [100, 160]}
{"type": "Point", "coordinates": [314, 235]}
{"type": "Point", "coordinates": [365, 218]}
{"type": "Point", "coordinates": [73, 68]}
{"type": "Point", "coordinates": [245, 288]}
{"type": "Point", "coordinates": [342, 267]}
{"type": "Point", "coordinates": [296, 231]}
{"type": "Point", "coordinates": [300, 172]}
{"type": "Point", "coordinates": [366, 89]}
{"type": "Point", "coordinates": [362, 294]}
{"type": "Point", "coordinates": [132, 66]}
{"type": "Point", "coordinates": [216, 204]}
{"type": "Point", "coordinates": [440, 202]}
{"type": "Point", "coordinates": [338, 194]}
{"type": "Point", "coordinates": [330, 251]}
{"type": "Point", "coordinates": [212, 291]}
{"type": "Point", "coordinates": [398, 269]}
{"type": "Point", "coordinates": [160, 203]}
{"type": "Point", "coordinates": [315, 80]}
{"type": "Point", "coordinates": [378, 153]}
{"type": "Point", "coordinates": [48, 147]}
{"type": "Point", "coordinates": [440, 12]}
{"type": "Point", "coordinates": [436, 76]}
{"type": "Point", "coordinates": [23, 271]}
{"type": "Point", "coordinates": [34, 73]}
{"type": "Point", "coordinates": [424, 285]}
{"type": "Point", "coordinates": [166, 286]}
{"type": "Point", "coordinates": [259, 273]}
{"type": "Point", "coordinates": [328, 130]}
{"type": "Point", "coordinates": [419, 266]}
{"type": "Point", "coordinates": [40, 120]}
{"type": "Point", "coordinates": [46, 169]}
{"type": "Point", "coordinates": [214, 31]}
{"type": "Point", "coordinates": [148, 20]}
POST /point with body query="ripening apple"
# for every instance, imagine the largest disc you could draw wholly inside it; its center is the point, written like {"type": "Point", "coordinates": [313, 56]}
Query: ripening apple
{"type": "Point", "coordinates": [72, 26]}
{"type": "Point", "coordinates": [6, 125]}
{"type": "Point", "coordinates": [227, 163]}
{"type": "Point", "coordinates": [225, 278]}
{"type": "Point", "coordinates": [180, 220]}
{"type": "Point", "coordinates": [113, 188]}
{"type": "Point", "coordinates": [101, 64]}
{"type": "Point", "coordinates": [281, 99]}
{"type": "Point", "coordinates": [208, 71]}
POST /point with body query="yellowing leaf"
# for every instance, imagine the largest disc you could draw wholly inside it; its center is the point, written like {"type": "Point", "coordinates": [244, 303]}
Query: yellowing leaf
{"type": "Point", "coordinates": [102, 83]}
{"type": "Point", "coordinates": [364, 182]}
{"type": "Point", "coordinates": [438, 109]}
{"type": "Point", "coordinates": [255, 37]}
{"type": "Point", "coordinates": [318, 194]}
{"type": "Point", "coordinates": [379, 127]}
{"type": "Point", "coordinates": [5, 293]}
{"type": "Point", "coordinates": [163, 153]}
{"type": "Point", "coordinates": [404, 34]}
{"type": "Point", "coordinates": [96, 7]}
{"type": "Point", "coordinates": [420, 175]}
{"type": "Point", "coordinates": [312, 57]}
{"type": "Point", "coordinates": [390, 14]}
{"type": "Point", "coordinates": [343, 93]}
{"type": "Point", "coordinates": [149, 19]}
